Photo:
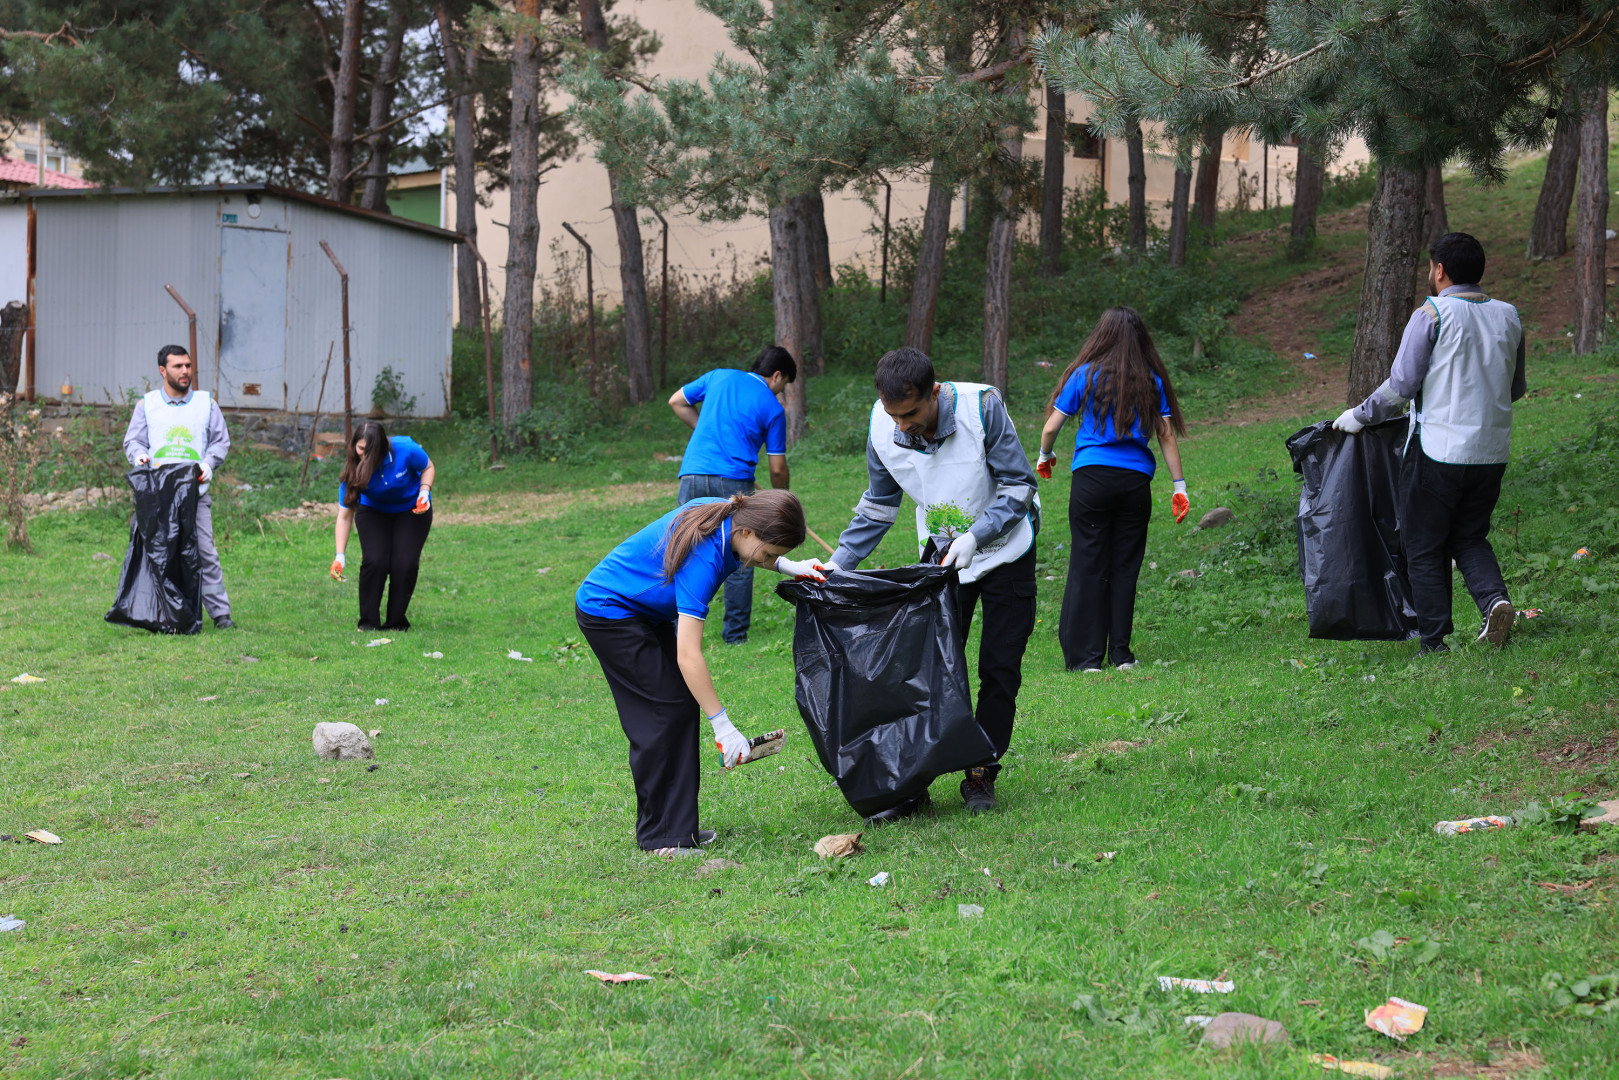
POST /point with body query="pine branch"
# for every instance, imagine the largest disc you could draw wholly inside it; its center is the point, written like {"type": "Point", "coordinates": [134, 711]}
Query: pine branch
{"type": "Point", "coordinates": [62, 33]}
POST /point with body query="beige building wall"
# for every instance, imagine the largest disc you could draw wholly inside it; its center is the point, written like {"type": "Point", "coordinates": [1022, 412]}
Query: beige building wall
{"type": "Point", "coordinates": [576, 192]}
{"type": "Point", "coordinates": [25, 143]}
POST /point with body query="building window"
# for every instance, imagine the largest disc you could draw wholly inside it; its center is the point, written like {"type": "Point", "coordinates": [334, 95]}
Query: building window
{"type": "Point", "coordinates": [53, 161]}
{"type": "Point", "coordinates": [1085, 144]}
{"type": "Point", "coordinates": [31, 156]}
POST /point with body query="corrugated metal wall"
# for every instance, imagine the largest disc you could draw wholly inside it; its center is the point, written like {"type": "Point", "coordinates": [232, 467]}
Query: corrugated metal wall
{"type": "Point", "coordinates": [103, 313]}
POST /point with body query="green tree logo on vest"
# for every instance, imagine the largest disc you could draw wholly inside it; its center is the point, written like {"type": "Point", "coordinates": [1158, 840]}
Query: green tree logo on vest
{"type": "Point", "coordinates": [177, 445]}
{"type": "Point", "coordinates": [946, 520]}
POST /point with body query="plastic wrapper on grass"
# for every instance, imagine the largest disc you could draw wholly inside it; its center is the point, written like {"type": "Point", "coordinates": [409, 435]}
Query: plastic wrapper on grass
{"type": "Point", "coordinates": [628, 976]}
{"type": "Point", "coordinates": [1397, 1018]}
{"type": "Point", "coordinates": [882, 681]}
{"type": "Point", "coordinates": [1355, 586]}
{"type": "Point", "coordinates": [160, 588]}
{"type": "Point", "coordinates": [1196, 986]}
{"type": "Point", "coordinates": [1353, 1068]}
{"type": "Point", "coordinates": [1472, 824]}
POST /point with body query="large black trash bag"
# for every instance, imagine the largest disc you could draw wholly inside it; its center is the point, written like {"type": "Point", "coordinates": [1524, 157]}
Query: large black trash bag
{"type": "Point", "coordinates": [1355, 585]}
{"type": "Point", "coordinates": [160, 588]}
{"type": "Point", "coordinates": [882, 681]}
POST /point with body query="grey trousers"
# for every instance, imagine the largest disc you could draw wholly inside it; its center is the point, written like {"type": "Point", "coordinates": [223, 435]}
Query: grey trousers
{"type": "Point", "coordinates": [214, 600]}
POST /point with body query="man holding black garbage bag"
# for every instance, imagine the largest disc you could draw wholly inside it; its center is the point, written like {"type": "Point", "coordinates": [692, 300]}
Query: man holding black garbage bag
{"type": "Point", "coordinates": [952, 448]}
{"type": "Point", "coordinates": [1461, 361]}
{"type": "Point", "coordinates": [174, 425]}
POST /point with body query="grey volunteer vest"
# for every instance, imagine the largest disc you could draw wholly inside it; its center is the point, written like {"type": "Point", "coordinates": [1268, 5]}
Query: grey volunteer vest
{"type": "Point", "coordinates": [1464, 410]}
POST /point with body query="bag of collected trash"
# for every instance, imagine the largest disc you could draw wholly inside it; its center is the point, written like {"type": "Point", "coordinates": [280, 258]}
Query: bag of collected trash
{"type": "Point", "coordinates": [882, 681]}
{"type": "Point", "coordinates": [160, 589]}
{"type": "Point", "coordinates": [1355, 586]}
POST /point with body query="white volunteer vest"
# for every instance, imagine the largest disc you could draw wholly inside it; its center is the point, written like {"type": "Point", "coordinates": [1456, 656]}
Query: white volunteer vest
{"type": "Point", "coordinates": [1465, 410]}
{"type": "Point", "coordinates": [177, 433]}
{"type": "Point", "coordinates": [952, 486]}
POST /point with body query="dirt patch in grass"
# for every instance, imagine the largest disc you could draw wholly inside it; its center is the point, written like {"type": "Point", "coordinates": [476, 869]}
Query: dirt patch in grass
{"type": "Point", "coordinates": [509, 509]}
{"type": "Point", "coordinates": [1504, 1064]}
{"type": "Point", "coordinates": [1116, 746]}
{"type": "Point", "coordinates": [1582, 753]}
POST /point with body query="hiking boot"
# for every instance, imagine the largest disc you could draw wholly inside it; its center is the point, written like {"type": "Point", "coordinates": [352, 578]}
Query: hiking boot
{"type": "Point", "coordinates": [909, 808]}
{"type": "Point", "coordinates": [224, 622]}
{"type": "Point", "coordinates": [978, 790]}
{"type": "Point", "coordinates": [1497, 624]}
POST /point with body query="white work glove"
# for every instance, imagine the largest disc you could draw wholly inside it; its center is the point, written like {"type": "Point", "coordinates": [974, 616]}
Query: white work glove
{"type": "Point", "coordinates": [143, 459]}
{"type": "Point", "coordinates": [802, 570]}
{"type": "Point", "coordinates": [1043, 466]}
{"type": "Point", "coordinates": [731, 743]}
{"type": "Point", "coordinates": [1347, 423]}
{"type": "Point", "coordinates": [961, 552]}
{"type": "Point", "coordinates": [207, 474]}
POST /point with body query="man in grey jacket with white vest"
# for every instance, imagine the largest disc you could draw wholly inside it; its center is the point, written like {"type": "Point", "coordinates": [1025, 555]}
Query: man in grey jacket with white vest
{"type": "Point", "coordinates": [952, 448]}
{"type": "Point", "coordinates": [1461, 361]}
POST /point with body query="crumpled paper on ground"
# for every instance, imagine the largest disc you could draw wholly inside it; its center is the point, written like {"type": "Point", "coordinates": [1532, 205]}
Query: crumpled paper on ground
{"type": "Point", "coordinates": [1196, 986]}
{"type": "Point", "coordinates": [1353, 1068]}
{"type": "Point", "coordinates": [1397, 1018]}
{"type": "Point", "coordinates": [628, 976]}
{"type": "Point", "coordinates": [839, 845]}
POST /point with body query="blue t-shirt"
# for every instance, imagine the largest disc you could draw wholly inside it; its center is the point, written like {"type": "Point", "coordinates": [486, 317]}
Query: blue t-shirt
{"type": "Point", "coordinates": [397, 481]}
{"type": "Point", "coordinates": [1097, 443]}
{"type": "Point", "coordinates": [739, 413]}
{"type": "Point", "coordinates": [630, 582]}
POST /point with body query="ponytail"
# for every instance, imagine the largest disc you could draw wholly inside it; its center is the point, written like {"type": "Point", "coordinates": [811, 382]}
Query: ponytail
{"type": "Point", "coordinates": [775, 517]}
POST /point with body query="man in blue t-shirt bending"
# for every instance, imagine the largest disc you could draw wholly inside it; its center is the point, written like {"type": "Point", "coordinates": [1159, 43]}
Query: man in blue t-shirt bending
{"type": "Point", "coordinates": [741, 411]}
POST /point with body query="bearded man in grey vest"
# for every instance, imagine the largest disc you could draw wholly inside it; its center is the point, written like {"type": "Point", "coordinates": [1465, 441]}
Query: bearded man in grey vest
{"type": "Point", "coordinates": [1461, 363]}
{"type": "Point", "coordinates": [175, 425]}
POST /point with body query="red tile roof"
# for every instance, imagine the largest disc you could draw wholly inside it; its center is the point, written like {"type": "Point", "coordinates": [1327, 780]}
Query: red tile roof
{"type": "Point", "coordinates": [26, 174]}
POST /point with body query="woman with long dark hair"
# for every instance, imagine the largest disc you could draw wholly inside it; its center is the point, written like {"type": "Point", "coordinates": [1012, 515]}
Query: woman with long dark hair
{"type": "Point", "coordinates": [642, 610]}
{"type": "Point", "coordinates": [1118, 391]}
{"type": "Point", "coordinates": [385, 491]}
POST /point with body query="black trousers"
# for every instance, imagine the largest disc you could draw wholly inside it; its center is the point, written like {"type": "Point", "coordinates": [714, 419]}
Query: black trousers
{"type": "Point", "coordinates": [1445, 514]}
{"type": "Point", "coordinates": [1108, 511]}
{"type": "Point", "coordinates": [1007, 594]}
{"type": "Point", "coordinates": [391, 554]}
{"type": "Point", "coordinates": [659, 717]}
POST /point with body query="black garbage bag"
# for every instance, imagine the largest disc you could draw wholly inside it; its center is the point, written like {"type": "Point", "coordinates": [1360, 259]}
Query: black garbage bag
{"type": "Point", "coordinates": [160, 588]}
{"type": "Point", "coordinates": [1355, 585]}
{"type": "Point", "coordinates": [882, 681]}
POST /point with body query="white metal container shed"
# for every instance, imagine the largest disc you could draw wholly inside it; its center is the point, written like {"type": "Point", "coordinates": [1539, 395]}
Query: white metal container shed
{"type": "Point", "coordinates": [247, 258]}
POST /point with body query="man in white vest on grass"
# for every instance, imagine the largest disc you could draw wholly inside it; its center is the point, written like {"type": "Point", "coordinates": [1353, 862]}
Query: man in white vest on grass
{"type": "Point", "coordinates": [1461, 363]}
{"type": "Point", "coordinates": [173, 425]}
{"type": "Point", "coordinates": [952, 448]}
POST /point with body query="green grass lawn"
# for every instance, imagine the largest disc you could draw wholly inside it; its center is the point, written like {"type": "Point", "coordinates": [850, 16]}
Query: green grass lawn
{"type": "Point", "coordinates": [226, 905]}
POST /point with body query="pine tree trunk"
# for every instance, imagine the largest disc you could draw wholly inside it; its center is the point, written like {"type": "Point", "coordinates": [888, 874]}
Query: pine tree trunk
{"type": "Point", "coordinates": [816, 242]}
{"type": "Point", "coordinates": [1137, 182]}
{"type": "Point", "coordinates": [458, 73]}
{"type": "Point", "coordinates": [1206, 196]}
{"type": "Point", "coordinates": [345, 89]}
{"type": "Point", "coordinates": [811, 358]}
{"type": "Point", "coordinates": [785, 246]}
{"type": "Point", "coordinates": [383, 91]}
{"type": "Point", "coordinates": [1548, 236]}
{"type": "Point", "coordinates": [1434, 196]}
{"type": "Point", "coordinates": [929, 267]}
{"type": "Point", "coordinates": [998, 278]}
{"type": "Point", "coordinates": [631, 258]}
{"type": "Point", "coordinates": [1394, 234]}
{"type": "Point", "coordinates": [1591, 224]}
{"type": "Point", "coordinates": [1308, 185]}
{"type": "Point", "coordinates": [1051, 197]}
{"type": "Point", "coordinates": [517, 322]}
{"type": "Point", "coordinates": [1179, 217]}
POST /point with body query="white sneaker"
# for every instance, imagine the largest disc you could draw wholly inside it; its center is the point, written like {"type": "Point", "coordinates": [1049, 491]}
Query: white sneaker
{"type": "Point", "coordinates": [1131, 666]}
{"type": "Point", "coordinates": [1497, 624]}
{"type": "Point", "coordinates": [1092, 671]}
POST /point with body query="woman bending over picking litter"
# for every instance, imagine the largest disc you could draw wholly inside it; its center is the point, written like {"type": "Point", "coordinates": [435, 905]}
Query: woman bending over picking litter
{"type": "Point", "coordinates": [1119, 391]}
{"type": "Point", "coordinates": [642, 611]}
{"type": "Point", "coordinates": [385, 491]}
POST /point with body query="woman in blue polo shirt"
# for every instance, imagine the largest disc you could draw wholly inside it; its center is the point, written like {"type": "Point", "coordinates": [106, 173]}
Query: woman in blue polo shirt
{"type": "Point", "coordinates": [385, 491]}
{"type": "Point", "coordinates": [642, 610]}
{"type": "Point", "coordinates": [1118, 390]}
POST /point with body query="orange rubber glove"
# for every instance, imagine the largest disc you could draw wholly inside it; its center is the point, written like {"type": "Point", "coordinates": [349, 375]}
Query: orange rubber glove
{"type": "Point", "coordinates": [1179, 504]}
{"type": "Point", "coordinates": [424, 501]}
{"type": "Point", "coordinates": [336, 571]}
{"type": "Point", "coordinates": [1043, 467]}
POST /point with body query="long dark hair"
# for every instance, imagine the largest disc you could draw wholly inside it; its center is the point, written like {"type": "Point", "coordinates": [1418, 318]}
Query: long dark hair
{"type": "Point", "coordinates": [1119, 384]}
{"type": "Point", "coordinates": [775, 516]}
{"type": "Point", "coordinates": [357, 470]}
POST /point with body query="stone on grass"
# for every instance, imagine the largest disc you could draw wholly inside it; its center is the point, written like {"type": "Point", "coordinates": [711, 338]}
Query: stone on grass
{"type": "Point", "coordinates": [1231, 1028]}
{"type": "Point", "coordinates": [1606, 813]}
{"type": "Point", "coordinates": [1215, 518]}
{"type": "Point", "coordinates": [337, 741]}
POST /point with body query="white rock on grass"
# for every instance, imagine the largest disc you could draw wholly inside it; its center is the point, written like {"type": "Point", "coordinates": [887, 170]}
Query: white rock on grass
{"type": "Point", "coordinates": [342, 742]}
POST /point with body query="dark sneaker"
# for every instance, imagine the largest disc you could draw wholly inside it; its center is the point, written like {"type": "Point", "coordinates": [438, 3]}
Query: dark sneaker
{"type": "Point", "coordinates": [1433, 650]}
{"type": "Point", "coordinates": [1497, 624]}
{"type": "Point", "coordinates": [909, 808]}
{"type": "Point", "coordinates": [402, 624]}
{"type": "Point", "coordinates": [978, 790]}
{"type": "Point", "coordinates": [224, 623]}
{"type": "Point", "coordinates": [705, 836]}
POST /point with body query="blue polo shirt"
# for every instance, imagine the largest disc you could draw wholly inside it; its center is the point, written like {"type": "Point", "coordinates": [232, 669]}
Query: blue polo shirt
{"type": "Point", "coordinates": [1096, 443]}
{"type": "Point", "coordinates": [629, 582]}
{"type": "Point", "coordinates": [397, 481]}
{"type": "Point", "coordinates": [739, 414]}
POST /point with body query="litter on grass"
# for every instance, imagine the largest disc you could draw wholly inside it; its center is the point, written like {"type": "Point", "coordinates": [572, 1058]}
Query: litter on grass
{"type": "Point", "coordinates": [374, 733]}
{"type": "Point", "coordinates": [1583, 553]}
{"type": "Point", "coordinates": [1397, 1018]}
{"type": "Point", "coordinates": [1352, 1068]}
{"type": "Point", "coordinates": [880, 880]}
{"type": "Point", "coordinates": [26, 678]}
{"type": "Point", "coordinates": [41, 836]}
{"type": "Point", "coordinates": [10, 922]}
{"type": "Point", "coordinates": [1196, 986]}
{"type": "Point", "coordinates": [382, 701]}
{"type": "Point", "coordinates": [1472, 824]}
{"type": "Point", "coordinates": [1530, 613]}
{"type": "Point", "coordinates": [433, 655]}
{"type": "Point", "coordinates": [1198, 1021]}
{"type": "Point", "coordinates": [628, 976]}
{"type": "Point", "coordinates": [374, 642]}
{"type": "Point", "coordinates": [970, 911]}
{"type": "Point", "coordinates": [210, 697]}
{"type": "Point", "coordinates": [1309, 356]}
{"type": "Point", "coordinates": [839, 845]}
{"type": "Point", "coordinates": [513, 654]}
